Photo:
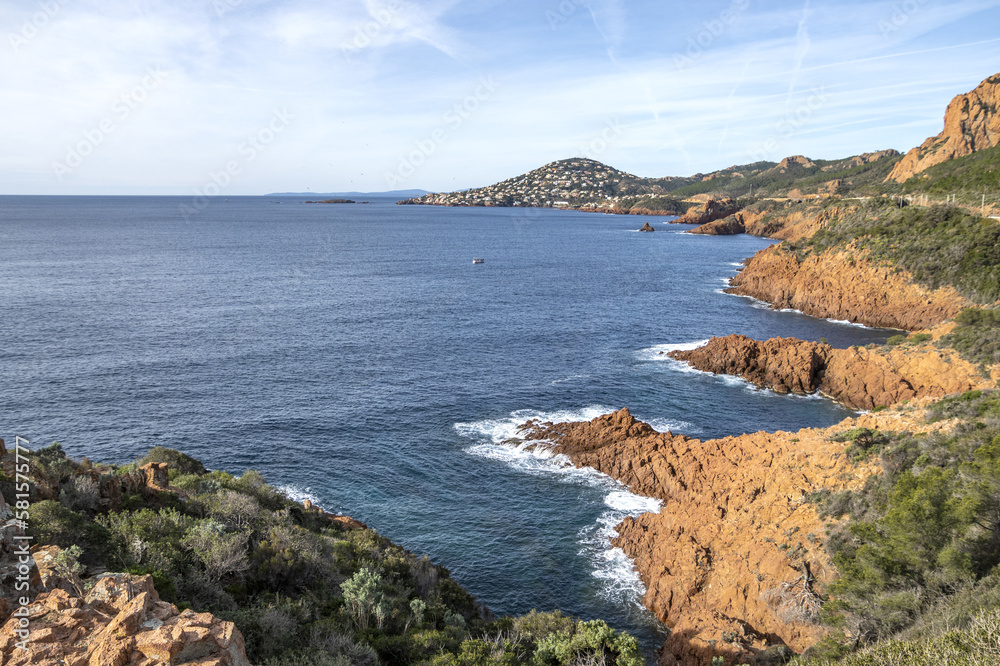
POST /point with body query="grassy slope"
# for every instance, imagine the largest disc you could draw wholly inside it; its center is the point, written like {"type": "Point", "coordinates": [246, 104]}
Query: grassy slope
{"type": "Point", "coordinates": [301, 590]}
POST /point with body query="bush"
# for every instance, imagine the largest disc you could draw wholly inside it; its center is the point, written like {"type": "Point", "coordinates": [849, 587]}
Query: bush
{"type": "Point", "coordinates": [977, 336]}
{"type": "Point", "coordinates": [588, 639]}
{"type": "Point", "coordinates": [180, 463]}
{"type": "Point", "coordinates": [52, 523]}
{"type": "Point", "coordinates": [81, 493]}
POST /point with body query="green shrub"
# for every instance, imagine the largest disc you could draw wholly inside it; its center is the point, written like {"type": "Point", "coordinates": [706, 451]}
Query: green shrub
{"type": "Point", "coordinates": [180, 463]}
{"type": "Point", "coordinates": [587, 639]}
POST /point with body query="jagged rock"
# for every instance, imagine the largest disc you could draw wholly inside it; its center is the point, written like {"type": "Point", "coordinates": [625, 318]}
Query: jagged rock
{"type": "Point", "coordinates": [858, 377]}
{"type": "Point", "coordinates": [735, 525]}
{"type": "Point", "coordinates": [717, 545]}
{"type": "Point", "coordinates": [157, 475]}
{"type": "Point", "coordinates": [798, 160]}
{"type": "Point", "coordinates": [647, 227]}
{"type": "Point", "coordinates": [864, 158]}
{"type": "Point", "coordinates": [971, 123]}
{"type": "Point", "coordinates": [711, 210]}
{"type": "Point", "coordinates": [844, 285]}
{"type": "Point", "coordinates": [345, 523]}
{"type": "Point", "coordinates": [121, 622]}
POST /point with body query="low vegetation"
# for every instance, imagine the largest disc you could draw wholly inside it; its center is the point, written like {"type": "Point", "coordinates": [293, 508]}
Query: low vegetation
{"type": "Point", "coordinates": [940, 245]}
{"type": "Point", "coordinates": [971, 176]}
{"type": "Point", "coordinates": [977, 336]}
{"type": "Point", "coordinates": [302, 589]}
{"type": "Point", "coordinates": [919, 547]}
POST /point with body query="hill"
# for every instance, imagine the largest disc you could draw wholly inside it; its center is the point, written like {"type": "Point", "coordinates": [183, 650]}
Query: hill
{"type": "Point", "coordinates": [586, 184]}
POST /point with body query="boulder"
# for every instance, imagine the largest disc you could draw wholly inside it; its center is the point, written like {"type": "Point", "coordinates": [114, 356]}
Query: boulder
{"type": "Point", "coordinates": [120, 622]}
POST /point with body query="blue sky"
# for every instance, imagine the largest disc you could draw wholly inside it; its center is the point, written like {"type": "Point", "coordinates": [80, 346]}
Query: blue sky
{"type": "Point", "coordinates": [254, 96]}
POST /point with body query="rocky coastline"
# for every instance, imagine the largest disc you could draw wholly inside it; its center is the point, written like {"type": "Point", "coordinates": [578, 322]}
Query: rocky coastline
{"type": "Point", "coordinates": [858, 377]}
{"type": "Point", "coordinates": [846, 286]}
{"type": "Point", "coordinates": [735, 561]}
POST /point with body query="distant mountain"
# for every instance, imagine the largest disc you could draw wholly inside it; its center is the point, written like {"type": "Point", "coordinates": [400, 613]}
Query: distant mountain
{"type": "Point", "coordinates": [398, 194]}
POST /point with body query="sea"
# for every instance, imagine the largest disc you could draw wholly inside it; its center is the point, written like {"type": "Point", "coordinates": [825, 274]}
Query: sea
{"type": "Point", "coordinates": [355, 355]}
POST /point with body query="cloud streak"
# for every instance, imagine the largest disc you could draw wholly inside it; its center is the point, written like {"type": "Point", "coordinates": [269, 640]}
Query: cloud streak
{"type": "Point", "coordinates": [359, 105]}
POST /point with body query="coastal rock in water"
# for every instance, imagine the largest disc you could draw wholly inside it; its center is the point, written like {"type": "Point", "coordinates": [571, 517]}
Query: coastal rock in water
{"type": "Point", "coordinates": [711, 210]}
{"type": "Point", "coordinates": [735, 526]}
{"type": "Point", "coordinates": [729, 226]}
{"type": "Point", "coordinates": [844, 285]}
{"type": "Point", "coordinates": [647, 227]}
{"type": "Point", "coordinates": [121, 621]}
{"type": "Point", "coordinates": [971, 123]}
{"type": "Point", "coordinates": [858, 377]}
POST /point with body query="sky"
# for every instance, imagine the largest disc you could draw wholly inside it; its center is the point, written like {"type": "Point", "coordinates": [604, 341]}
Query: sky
{"type": "Point", "coordinates": [244, 97]}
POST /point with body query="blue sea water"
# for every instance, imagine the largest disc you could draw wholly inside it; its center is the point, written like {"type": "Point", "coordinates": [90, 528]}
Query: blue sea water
{"type": "Point", "coordinates": [356, 356]}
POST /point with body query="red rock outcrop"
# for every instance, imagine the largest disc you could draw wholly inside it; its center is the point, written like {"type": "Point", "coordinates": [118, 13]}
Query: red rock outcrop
{"type": "Point", "coordinates": [345, 523]}
{"type": "Point", "coordinates": [844, 285]}
{"type": "Point", "coordinates": [858, 377]}
{"type": "Point", "coordinates": [774, 219]}
{"type": "Point", "coordinates": [120, 622]}
{"type": "Point", "coordinates": [711, 210]}
{"type": "Point", "coordinates": [733, 561]}
{"type": "Point", "coordinates": [971, 123]}
{"type": "Point", "coordinates": [862, 159]}
{"type": "Point", "coordinates": [797, 160]}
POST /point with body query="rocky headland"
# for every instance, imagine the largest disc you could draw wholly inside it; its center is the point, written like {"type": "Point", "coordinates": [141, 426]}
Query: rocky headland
{"type": "Point", "coordinates": [858, 377]}
{"type": "Point", "coordinates": [844, 285]}
{"type": "Point", "coordinates": [735, 561]}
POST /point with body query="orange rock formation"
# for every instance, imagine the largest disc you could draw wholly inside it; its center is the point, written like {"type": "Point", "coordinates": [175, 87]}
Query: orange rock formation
{"type": "Point", "coordinates": [971, 123]}
{"type": "Point", "coordinates": [844, 285]}
{"type": "Point", "coordinates": [120, 622]}
{"type": "Point", "coordinates": [711, 210]}
{"type": "Point", "coordinates": [858, 377]}
{"type": "Point", "coordinates": [735, 558]}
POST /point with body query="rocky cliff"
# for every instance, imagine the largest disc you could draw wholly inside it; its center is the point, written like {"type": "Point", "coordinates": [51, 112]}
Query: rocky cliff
{"type": "Point", "coordinates": [772, 219]}
{"type": "Point", "coordinates": [711, 210]}
{"type": "Point", "coordinates": [971, 123]}
{"type": "Point", "coordinates": [858, 377]}
{"type": "Point", "coordinates": [735, 560]}
{"type": "Point", "coordinates": [844, 285]}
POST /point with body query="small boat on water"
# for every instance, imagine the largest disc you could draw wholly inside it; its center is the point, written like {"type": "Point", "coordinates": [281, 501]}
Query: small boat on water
{"type": "Point", "coordinates": [477, 260]}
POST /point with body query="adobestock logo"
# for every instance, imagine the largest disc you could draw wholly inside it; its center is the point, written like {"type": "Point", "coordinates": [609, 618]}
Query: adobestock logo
{"type": "Point", "coordinates": [249, 150]}
{"type": "Point", "coordinates": [122, 108]}
{"type": "Point", "coordinates": [712, 30]}
{"type": "Point", "coordinates": [365, 34]}
{"type": "Point", "coordinates": [454, 118]}
{"type": "Point", "coordinates": [46, 12]}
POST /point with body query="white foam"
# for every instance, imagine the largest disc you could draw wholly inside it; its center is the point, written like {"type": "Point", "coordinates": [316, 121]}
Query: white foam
{"type": "Point", "coordinates": [498, 439]}
{"type": "Point", "coordinates": [660, 354]}
{"type": "Point", "coordinates": [844, 322]}
{"type": "Point", "coordinates": [297, 494]}
{"type": "Point", "coordinates": [568, 379]}
{"type": "Point", "coordinates": [671, 425]}
{"type": "Point", "coordinates": [764, 305]}
{"type": "Point", "coordinates": [620, 582]}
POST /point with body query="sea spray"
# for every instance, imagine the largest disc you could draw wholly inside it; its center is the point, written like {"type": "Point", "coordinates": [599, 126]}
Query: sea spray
{"type": "Point", "coordinates": [502, 440]}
